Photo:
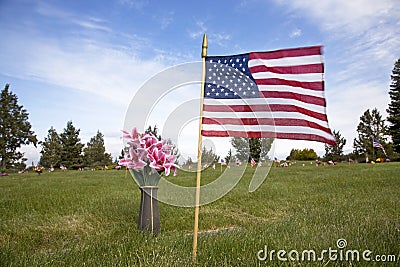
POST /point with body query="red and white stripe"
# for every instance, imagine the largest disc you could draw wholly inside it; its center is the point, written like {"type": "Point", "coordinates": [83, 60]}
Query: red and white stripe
{"type": "Point", "coordinates": [291, 104]}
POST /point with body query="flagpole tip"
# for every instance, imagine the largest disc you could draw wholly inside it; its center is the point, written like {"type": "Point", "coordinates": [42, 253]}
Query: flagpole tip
{"type": "Point", "coordinates": [204, 46]}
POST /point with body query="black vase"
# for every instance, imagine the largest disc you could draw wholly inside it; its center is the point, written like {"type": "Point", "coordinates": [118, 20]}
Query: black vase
{"type": "Point", "coordinates": [149, 217]}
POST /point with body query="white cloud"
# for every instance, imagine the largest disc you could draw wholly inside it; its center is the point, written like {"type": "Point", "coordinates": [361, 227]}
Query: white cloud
{"type": "Point", "coordinates": [84, 65]}
{"type": "Point", "coordinates": [369, 29]}
{"type": "Point", "coordinates": [362, 41]}
{"type": "Point", "coordinates": [165, 19]}
{"type": "Point", "coordinates": [349, 16]}
{"type": "Point", "coordinates": [136, 4]}
{"type": "Point", "coordinates": [213, 37]}
{"type": "Point", "coordinates": [295, 33]}
{"type": "Point", "coordinates": [65, 17]}
{"type": "Point", "coordinates": [201, 29]}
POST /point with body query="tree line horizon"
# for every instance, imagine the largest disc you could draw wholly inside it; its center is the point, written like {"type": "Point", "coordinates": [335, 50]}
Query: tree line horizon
{"type": "Point", "coordinates": [65, 149]}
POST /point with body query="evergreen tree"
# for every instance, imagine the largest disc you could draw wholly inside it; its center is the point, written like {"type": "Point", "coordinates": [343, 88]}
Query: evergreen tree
{"type": "Point", "coordinates": [95, 152]}
{"type": "Point", "coordinates": [15, 129]}
{"type": "Point", "coordinates": [208, 156]}
{"type": "Point", "coordinates": [153, 131]}
{"type": "Point", "coordinates": [71, 153]}
{"type": "Point", "coordinates": [255, 148]}
{"type": "Point", "coordinates": [229, 157]}
{"type": "Point", "coordinates": [122, 155]}
{"type": "Point", "coordinates": [51, 150]}
{"type": "Point", "coordinates": [335, 152]}
{"type": "Point", "coordinates": [394, 107]}
{"type": "Point", "coordinates": [371, 125]}
{"type": "Point", "coordinates": [189, 162]}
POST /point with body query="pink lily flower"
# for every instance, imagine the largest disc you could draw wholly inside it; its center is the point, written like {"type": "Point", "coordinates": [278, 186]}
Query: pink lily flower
{"type": "Point", "coordinates": [148, 140]}
{"type": "Point", "coordinates": [130, 164]}
{"type": "Point", "coordinates": [133, 135]}
{"type": "Point", "coordinates": [146, 149]}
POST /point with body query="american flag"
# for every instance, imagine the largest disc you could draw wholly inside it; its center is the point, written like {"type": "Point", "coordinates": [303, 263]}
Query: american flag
{"type": "Point", "coordinates": [376, 143]}
{"type": "Point", "coordinates": [252, 161]}
{"type": "Point", "coordinates": [276, 94]}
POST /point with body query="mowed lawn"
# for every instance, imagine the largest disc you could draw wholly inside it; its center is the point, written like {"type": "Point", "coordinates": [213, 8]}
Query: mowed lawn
{"type": "Point", "coordinates": [90, 219]}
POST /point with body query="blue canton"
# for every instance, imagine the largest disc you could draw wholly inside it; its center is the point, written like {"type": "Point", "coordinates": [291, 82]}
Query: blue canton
{"type": "Point", "coordinates": [229, 78]}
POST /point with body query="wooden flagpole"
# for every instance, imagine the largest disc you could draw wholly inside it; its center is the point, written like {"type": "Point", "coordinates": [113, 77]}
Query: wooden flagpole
{"type": "Point", "coordinates": [199, 149]}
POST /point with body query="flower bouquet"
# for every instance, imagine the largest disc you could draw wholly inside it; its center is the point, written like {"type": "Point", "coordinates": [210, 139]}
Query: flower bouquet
{"type": "Point", "coordinates": [147, 158]}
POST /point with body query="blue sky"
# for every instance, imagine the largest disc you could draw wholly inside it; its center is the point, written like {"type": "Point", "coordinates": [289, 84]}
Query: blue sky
{"type": "Point", "coordinates": [84, 60]}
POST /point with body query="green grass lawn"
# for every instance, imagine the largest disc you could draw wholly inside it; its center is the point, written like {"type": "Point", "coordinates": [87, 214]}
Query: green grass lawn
{"type": "Point", "coordinates": [90, 218]}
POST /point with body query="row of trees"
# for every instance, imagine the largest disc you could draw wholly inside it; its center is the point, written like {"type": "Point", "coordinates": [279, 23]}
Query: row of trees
{"type": "Point", "coordinates": [63, 149]}
{"type": "Point", "coordinates": [373, 125]}
{"type": "Point", "coordinates": [66, 149]}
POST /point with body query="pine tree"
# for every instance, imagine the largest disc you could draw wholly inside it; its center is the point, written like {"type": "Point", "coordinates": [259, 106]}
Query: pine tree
{"type": "Point", "coordinates": [153, 131]}
{"type": "Point", "coordinates": [371, 125]}
{"type": "Point", "coordinates": [15, 129]}
{"type": "Point", "coordinates": [255, 148]}
{"type": "Point", "coordinates": [208, 156]}
{"type": "Point", "coordinates": [51, 149]}
{"type": "Point", "coordinates": [95, 152]}
{"type": "Point", "coordinates": [394, 107]}
{"type": "Point", "coordinates": [71, 153]}
{"type": "Point", "coordinates": [229, 157]}
{"type": "Point", "coordinates": [335, 152]}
